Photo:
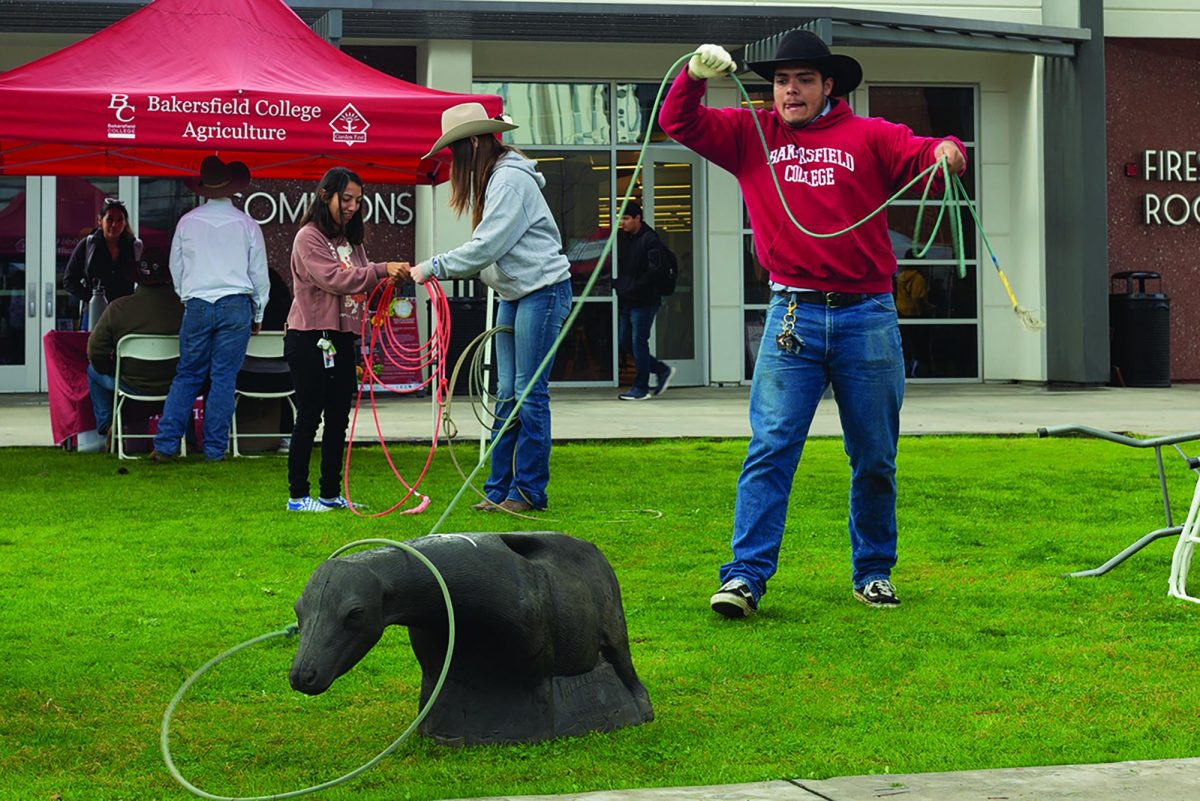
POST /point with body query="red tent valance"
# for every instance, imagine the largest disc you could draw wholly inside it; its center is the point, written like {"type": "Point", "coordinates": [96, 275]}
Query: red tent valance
{"type": "Point", "coordinates": [246, 79]}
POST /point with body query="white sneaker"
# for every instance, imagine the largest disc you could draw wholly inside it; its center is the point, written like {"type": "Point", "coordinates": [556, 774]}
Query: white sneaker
{"type": "Point", "coordinates": [339, 502]}
{"type": "Point", "coordinates": [664, 380]}
{"type": "Point", "coordinates": [307, 504]}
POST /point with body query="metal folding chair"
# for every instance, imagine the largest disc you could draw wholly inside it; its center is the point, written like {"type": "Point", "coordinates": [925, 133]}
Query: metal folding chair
{"type": "Point", "coordinates": [147, 347]}
{"type": "Point", "coordinates": [1187, 533]}
{"type": "Point", "coordinates": [263, 345]}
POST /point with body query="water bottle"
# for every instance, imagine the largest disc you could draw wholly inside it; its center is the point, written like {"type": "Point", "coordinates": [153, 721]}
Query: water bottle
{"type": "Point", "coordinates": [97, 304]}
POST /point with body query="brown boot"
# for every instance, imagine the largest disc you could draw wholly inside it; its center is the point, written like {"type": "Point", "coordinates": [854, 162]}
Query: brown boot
{"type": "Point", "coordinates": [161, 458]}
{"type": "Point", "coordinates": [485, 506]}
{"type": "Point", "coordinates": [516, 506]}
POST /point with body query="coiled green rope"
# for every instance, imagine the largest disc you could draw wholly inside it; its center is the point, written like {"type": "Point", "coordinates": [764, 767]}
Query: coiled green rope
{"type": "Point", "coordinates": [291, 631]}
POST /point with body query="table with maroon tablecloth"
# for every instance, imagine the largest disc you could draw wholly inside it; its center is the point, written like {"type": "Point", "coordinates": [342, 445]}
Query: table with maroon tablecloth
{"type": "Point", "coordinates": [66, 378]}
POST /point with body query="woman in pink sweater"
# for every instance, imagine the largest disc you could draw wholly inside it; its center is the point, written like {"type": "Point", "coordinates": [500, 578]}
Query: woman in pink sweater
{"type": "Point", "coordinates": [331, 277]}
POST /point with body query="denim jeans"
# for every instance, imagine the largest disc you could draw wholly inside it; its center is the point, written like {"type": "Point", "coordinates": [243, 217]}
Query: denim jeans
{"type": "Point", "coordinates": [212, 345]}
{"type": "Point", "coordinates": [102, 389]}
{"type": "Point", "coordinates": [855, 349]}
{"type": "Point", "coordinates": [322, 393]}
{"type": "Point", "coordinates": [521, 457]}
{"type": "Point", "coordinates": [633, 335]}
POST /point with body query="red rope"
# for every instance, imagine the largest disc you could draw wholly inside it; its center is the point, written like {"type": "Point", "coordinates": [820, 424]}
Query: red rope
{"type": "Point", "coordinates": [430, 355]}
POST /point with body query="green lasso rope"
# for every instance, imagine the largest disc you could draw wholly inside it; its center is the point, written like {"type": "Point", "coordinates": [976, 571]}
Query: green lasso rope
{"type": "Point", "coordinates": [291, 631]}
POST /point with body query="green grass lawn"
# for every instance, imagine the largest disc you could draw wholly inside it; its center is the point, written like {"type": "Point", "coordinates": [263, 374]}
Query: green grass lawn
{"type": "Point", "coordinates": [117, 581]}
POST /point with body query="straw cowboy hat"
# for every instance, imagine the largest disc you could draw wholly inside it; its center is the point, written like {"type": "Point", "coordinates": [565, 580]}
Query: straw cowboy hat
{"type": "Point", "coordinates": [809, 48]}
{"type": "Point", "coordinates": [467, 119]}
{"type": "Point", "coordinates": [218, 179]}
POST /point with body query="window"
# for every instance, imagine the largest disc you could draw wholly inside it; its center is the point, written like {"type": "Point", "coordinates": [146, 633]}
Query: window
{"type": "Point", "coordinates": [585, 138]}
{"type": "Point", "coordinates": [938, 308]}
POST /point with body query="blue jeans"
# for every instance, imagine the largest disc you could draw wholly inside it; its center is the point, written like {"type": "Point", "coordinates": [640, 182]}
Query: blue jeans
{"type": "Point", "coordinates": [101, 389]}
{"type": "Point", "coordinates": [521, 457]}
{"type": "Point", "coordinates": [855, 349]}
{"type": "Point", "coordinates": [212, 345]}
{"type": "Point", "coordinates": [633, 335]}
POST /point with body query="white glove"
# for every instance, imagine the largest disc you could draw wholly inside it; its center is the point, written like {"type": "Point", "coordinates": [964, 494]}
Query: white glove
{"type": "Point", "coordinates": [420, 273]}
{"type": "Point", "coordinates": [710, 61]}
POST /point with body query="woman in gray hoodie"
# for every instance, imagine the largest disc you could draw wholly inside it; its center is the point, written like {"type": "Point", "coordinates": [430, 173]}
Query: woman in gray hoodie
{"type": "Point", "coordinates": [516, 250]}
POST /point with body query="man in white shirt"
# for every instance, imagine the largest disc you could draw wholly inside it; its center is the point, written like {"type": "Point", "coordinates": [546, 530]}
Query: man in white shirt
{"type": "Point", "coordinates": [219, 265]}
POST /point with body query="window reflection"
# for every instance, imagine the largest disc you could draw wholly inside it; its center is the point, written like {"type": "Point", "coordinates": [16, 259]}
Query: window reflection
{"type": "Point", "coordinates": [577, 191]}
{"type": "Point", "coordinates": [77, 210]}
{"type": "Point", "coordinates": [554, 113]}
{"type": "Point", "coordinates": [902, 222]}
{"type": "Point", "coordinates": [927, 110]}
{"type": "Point", "coordinates": [935, 291]}
{"type": "Point", "coordinates": [755, 287]}
{"type": "Point", "coordinates": [635, 101]}
{"type": "Point", "coordinates": [755, 321]}
{"type": "Point", "coordinates": [586, 352]}
{"type": "Point", "coordinates": [940, 351]}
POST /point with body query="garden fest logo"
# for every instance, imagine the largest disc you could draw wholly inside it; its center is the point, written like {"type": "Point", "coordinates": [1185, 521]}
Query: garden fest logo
{"type": "Point", "coordinates": [349, 126]}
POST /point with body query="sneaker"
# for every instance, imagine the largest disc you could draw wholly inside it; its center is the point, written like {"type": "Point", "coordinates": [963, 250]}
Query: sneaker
{"type": "Point", "coordinates": [879, 594]}
{"type": "Point", "coordinates": [307, 504]}
{"type": "Point", "coordinates": [734, 599]}
{"type": "Point", "coordinates": [636, 393]}
{"type": "Point", "coordinates": [285, 445]}
{"type": "Point", "coordinates": [334, 503]}
{"type": "Point", "coordinates": [664, 379]}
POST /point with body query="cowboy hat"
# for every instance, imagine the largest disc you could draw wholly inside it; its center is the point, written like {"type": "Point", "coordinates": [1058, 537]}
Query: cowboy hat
{"type": "Point", "coordinates": [467, 119]}
{"type": "Point", "coordinates": [805, 46]}
{"type": "Point", "coordinates": [218, 179]}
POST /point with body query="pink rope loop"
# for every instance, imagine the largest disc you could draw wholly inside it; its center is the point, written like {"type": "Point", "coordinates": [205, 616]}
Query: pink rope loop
{"type": "Point", "coordinates": [430, 354]}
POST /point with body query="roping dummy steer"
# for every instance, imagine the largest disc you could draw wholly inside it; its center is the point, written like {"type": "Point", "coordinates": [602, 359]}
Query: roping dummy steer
{"type": "Point", "coordinates": [541, 649]}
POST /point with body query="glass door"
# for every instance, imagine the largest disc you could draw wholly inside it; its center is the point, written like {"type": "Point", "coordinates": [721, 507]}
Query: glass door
{"type": "Point", "coordinates": [672, 204]}
{"type": "Point", "coordinates": [41, 222]}
{"type": "Point", "coordinates": [667, 189]}
{"type": "Point", "coordinates": [21, 285]}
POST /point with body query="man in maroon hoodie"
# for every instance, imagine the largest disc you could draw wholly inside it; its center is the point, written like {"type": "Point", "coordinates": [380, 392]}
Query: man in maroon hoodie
{"type": "Point", "coordinates": [832, 319]}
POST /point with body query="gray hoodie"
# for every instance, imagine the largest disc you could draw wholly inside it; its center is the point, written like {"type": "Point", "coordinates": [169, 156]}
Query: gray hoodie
{"type": "Point", "coordinates": [516, 248]}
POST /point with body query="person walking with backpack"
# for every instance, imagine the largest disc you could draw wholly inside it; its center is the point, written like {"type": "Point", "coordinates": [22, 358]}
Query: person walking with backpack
{"type": "Point", "coordinates": [642, 261]}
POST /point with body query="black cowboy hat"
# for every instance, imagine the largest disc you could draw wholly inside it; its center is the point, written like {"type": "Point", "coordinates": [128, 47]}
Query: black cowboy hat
{"type": "Point", "coordinates": [801, 45]}
{"type": "Point", "coordinates": [218, 179]}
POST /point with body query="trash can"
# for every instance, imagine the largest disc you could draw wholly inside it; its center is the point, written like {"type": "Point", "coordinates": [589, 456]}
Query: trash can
{"type": "Point", "coordinates": [1139, 332]}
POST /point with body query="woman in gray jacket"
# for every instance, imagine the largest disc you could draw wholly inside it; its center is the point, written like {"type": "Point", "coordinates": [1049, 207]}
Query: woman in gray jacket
{"type": "Point", "coordinates": [516, 250]}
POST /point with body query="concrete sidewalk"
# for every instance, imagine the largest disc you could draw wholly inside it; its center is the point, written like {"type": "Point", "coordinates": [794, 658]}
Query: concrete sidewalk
{"type": "Point", "coordinates": [722, 412]}
{"type": "Point", "coordinates": [1165, 780]}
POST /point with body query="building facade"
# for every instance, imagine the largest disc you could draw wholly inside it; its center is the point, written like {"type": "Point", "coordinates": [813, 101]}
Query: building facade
{"type": "Point", "coordinates": [1022, 83]}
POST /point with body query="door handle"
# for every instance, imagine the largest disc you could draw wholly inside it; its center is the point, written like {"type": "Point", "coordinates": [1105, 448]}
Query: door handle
{"type": "Point", "coordinates": [31, 298]}
{"type": "Point", "coordinates": [49, 299]}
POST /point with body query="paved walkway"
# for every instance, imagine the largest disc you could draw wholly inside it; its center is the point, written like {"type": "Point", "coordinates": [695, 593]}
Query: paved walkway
{"type": "Point", "coordinates": [1168, 780]}
{"type": "Point", "coordinates": [721, 412]}
{"type": "Point", "coordinates": [928, 409]}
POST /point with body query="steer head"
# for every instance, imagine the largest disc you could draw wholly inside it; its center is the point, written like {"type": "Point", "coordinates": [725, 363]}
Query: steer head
{"type": "Point", "coordinates": [341, 618]}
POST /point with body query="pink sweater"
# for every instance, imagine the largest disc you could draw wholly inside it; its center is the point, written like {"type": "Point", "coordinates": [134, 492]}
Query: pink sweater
{"type": "Point", "coordinates": [330, 282]}
{"type": "Point", "coordinates": [834, 171]}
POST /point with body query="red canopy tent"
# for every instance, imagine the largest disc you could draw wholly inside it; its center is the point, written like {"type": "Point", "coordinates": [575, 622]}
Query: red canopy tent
{"type": "Point", "coordinates": [247, 79]}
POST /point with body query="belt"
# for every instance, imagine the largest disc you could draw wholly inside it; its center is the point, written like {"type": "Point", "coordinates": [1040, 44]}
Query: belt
{"type": "Point", "coordinates": [832, 300]}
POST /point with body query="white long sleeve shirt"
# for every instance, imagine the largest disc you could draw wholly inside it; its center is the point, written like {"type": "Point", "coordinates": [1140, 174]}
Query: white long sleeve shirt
{"type": "Point", "coordinates": [218, 251]}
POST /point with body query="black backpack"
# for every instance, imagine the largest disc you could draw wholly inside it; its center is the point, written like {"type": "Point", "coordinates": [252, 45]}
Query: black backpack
{"type": "Point", "coordinates": [668, 272]}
